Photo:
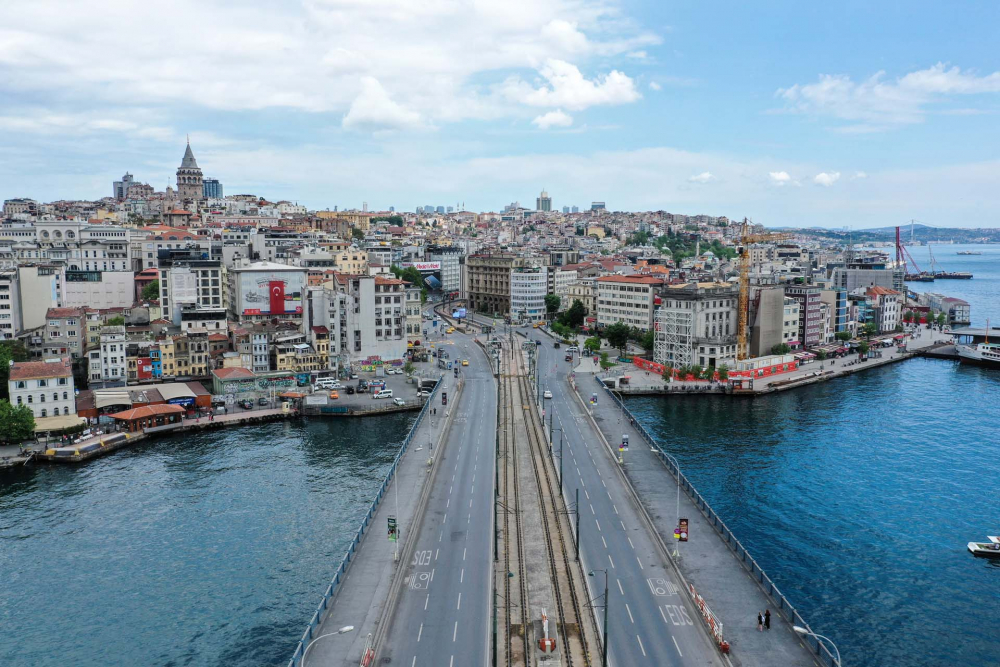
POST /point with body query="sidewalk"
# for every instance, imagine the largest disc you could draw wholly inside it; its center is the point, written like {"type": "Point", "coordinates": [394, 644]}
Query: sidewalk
{"type": "Point", "coordinates": [365, 589]}
{"type": "Point", "coordinates": [705, 561]}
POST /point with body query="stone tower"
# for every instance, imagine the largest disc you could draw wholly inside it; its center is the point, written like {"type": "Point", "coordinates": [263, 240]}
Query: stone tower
{"type": "Point", "coordinates": [189, 180]}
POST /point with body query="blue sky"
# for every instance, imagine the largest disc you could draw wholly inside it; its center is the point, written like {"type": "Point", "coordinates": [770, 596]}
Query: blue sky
{"type": "Point", "coordinates": [841, 114]}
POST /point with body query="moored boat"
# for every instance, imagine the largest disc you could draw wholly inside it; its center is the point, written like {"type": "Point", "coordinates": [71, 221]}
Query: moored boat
{"type": "Point", "coordinates": [968, 252]}
{"type": "Point", "coordinates": [987, 549]}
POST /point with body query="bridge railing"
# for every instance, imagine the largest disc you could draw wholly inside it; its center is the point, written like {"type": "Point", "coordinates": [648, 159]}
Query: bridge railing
{"type": "Point", "coordinates": [748, 561]}
{"type": "Point", "coordinates": [331, 589]}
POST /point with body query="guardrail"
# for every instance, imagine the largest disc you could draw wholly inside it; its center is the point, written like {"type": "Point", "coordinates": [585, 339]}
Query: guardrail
{"type": "Point", "coordinates": [744, 557]}
{"type": "Point", "coordinates": [319, 614]}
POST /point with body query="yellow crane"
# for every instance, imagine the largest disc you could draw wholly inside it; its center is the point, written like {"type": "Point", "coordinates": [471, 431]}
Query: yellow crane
{"type": "Point", "coordinates": [746, 239]}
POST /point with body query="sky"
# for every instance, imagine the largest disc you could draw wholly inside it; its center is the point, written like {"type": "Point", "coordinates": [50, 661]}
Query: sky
{"type": "Point", "coordinates": [844, 114]}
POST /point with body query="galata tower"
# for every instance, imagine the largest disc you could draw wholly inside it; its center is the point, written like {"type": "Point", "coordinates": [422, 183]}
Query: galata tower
{"type": "Point", "coordinates": [189, 184]}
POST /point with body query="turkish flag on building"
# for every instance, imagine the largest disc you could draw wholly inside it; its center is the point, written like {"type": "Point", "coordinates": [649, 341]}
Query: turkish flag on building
{"type": "Point", "coordinates": [276, 289]}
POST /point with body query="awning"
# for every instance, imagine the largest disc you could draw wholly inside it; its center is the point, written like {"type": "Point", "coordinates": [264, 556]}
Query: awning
{"type": "Point", "coordinates": [57, 423]}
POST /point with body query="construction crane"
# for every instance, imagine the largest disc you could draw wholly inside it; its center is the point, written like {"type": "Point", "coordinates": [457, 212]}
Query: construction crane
{"type": "Point", "coordinates": [746, 239]}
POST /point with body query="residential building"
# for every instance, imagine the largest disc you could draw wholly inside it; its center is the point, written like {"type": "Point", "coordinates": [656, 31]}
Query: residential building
{"type": "Point", "coordinates": [262, 291]}
{"type": "Point", "coordinates": [628, 299]}
{"type": "Point", "coordinates": [414, 314]}
{"type": "Point", "coordinates": [107, 362]}
{"type": "Point", "coordinates": [186, 278]}
{"type": "Point", "coordinates": [886, 307]}
{"type": "Point", "coordinates": [10, 305]}
{"type": "Point", "coordinates": [528, 287]}
{"type": "Point", "coordinates": [46, 387]}
{"type": "Point", "coordinates": [450, 259]}
{"type": "Point", "coordinates": [488, 288]}
{"type": "Point", "coordinates": [810, 324]}
{"type": "Point", "coordinates": [65, 333]}
{"type": "Point", "coordinates": [836, 300]}
{"type": "Point", "coordinates": [584, 291]}
{"type": "Point", "coordinates": [697, 324]}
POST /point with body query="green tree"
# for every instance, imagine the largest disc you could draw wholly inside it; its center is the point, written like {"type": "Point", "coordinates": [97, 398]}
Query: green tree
{"type": "Point", "coordinates": [639, 238]}
{"type": "Point", "coordinates": [869, 329]}
{"type": "Point", "coordinates": [408, 368]}
{"type": "Point", "coordinates": [723, 372]}
{"type": "Point", "coordinates": [117, 321]}
{"type": "Point", "coordinates": [863, 347]}
{"type": "Point", "coordinates": [648, 341]}
{"type": "Point", "coordinates": [10, 350]}
{"type": "Point", "coordinates": [17, 424]}
{"type": "Point", "coordinates": [696, 371]}
{"type": "Point", "coordinates": [574, 315]}
{"type": "Point", "coordinates": [908, 316]}
{"type": "Point", "coordinates": [357, 234]}
{"type": "Point", "coordinates": [617, 335]}
{"type": "Point", "coordinates": [391, 219]}
{"type": "Point", "coordinates": [843, 336]}
{"type": "Point", "coordinates": [780, 348]}
{"type": "Point", "coordinates": [151, 292]}
{"type": "Point", "coordinates": [592, 344]}
{"type": "Point", "coordinates": [942, 319]}
{"type": "Point", "coordinates": [821, 354]}
{"type": "Point", "coordinates": [552, 303]}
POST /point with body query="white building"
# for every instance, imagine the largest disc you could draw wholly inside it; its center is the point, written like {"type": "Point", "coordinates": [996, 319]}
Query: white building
{"type": "Point", "coordinates": [46, 387]}
{"type": "Point", "coordinates": [10, 305]}
{"type": "Point", "coordinates": [696, 324]}
{"type": "Point", "coordinates": [528, 287]}
{"type": "Point", "coordinates": [108, 361]}
{"type": "Point", "coordinates": [562, 279]}
{"type": "Point", "coordinates": [98, 289]}
{"type": "Point", "coordinates": [628, 299]}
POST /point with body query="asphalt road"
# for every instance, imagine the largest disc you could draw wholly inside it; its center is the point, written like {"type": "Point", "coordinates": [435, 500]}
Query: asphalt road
{"type": "Point", "coordinates": [443, 615]}
{"type": "Point", "coordinates": [651, 619]}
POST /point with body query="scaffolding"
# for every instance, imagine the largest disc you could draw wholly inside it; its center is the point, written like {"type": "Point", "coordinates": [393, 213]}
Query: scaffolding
{"type": "Point", "coordinates": [673, 342]}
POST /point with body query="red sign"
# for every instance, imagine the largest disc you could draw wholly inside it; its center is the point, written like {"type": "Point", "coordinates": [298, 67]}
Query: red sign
{"type": "Point", "coordinates": [144, 368]}
{"type": "Point", "coordinates": [251, 311]}
{"type": "Point", "coordinates": [276, 292]}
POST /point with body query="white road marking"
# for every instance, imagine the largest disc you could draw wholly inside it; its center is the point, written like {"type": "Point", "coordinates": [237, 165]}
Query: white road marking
{"type": "Point", "coordinates": [605, 485]}
{"type": "Point", "coordinates": [426, 601]}
{"type": "Point", "coordinates": [620, 589]}
{"type": "Point", "coordinates": [432, 573]}
{"type": "Point", "coordinates": [463, 552]}
{"type": "Point", "coordinates": [626, 609]}
{"type": "Point", "coordinates": [454, 635]}
{"type": "Point", "coordinates": [420, 632]}
{"type": "Point", "coordinates": [592, 508]}
{"type": "Point", "coordinates": [640, 646]}
{"type": "Point", "coordinates": [612, 562]}
{"type": "Point", "coordinates": [630, 542]}
{"type": "Point", "coordinates": [622, 523]}
{"type": "Point", "coordinates": [447, 504]}
{"type": "Point", "coordinates": [640, 563]}
{"type": "Point", "coordinates": [586, 494]}
{"type": "Point", "coordinates": [598, 524]}
{"type": "Point", "coordinates": [663, 615]}
{"type": "Point", "coordinates": [437, 552]}
{"type": "Point", "coordinates": [675, 644]}
{"type": "Point", "coordinates": [605, 542]}
{"type": "Point", "coordinates": [616, 508]}
{"type": "Point", "coordinates": [461, 577]}
{"type": "Point", "coordinates": [414, 663]}
{"type": "Point", "coordinates": [459, 605]}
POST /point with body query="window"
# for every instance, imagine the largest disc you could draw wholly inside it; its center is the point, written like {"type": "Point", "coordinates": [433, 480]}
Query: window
{"type": "Point", "coordinates": [43, 383]}
{"type": "Point", "coordinates": [55, 396]}
{"type": "Point", "coordinates": [19, 400]}
{"type": "Point", "coordinates": [44, 412]}
{"type": "Point", "coordinates": [21, 384]}
{"type": "Point", "coordinates": [41, 398]}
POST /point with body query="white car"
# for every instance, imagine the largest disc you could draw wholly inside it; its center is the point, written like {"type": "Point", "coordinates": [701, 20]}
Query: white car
{"type": "Point", "coordinates": [384, 393]}
{"type": "Point", "coordinates": [423, 393]}
{"type": "Point", "coordinates": [547, 394]}
{"type": "Point", "coordinates": [398, 401]}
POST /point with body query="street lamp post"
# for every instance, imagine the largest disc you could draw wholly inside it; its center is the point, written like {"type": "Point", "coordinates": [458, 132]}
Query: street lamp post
{"type": "Point", "coordinates": [343, 630]}
{"type": "Point", "coordinates": [604, 648]}
{"type": "Point", "coordinates": [802, 631]}
{"type": "Point", "coordinates": [677, 467]}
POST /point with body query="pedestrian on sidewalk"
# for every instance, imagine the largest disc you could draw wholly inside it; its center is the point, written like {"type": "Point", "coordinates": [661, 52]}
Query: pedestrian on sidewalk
{"type": "Point", "coordinates": [767, 619]}
{"type": "Point", "coordinates": [760, 622]}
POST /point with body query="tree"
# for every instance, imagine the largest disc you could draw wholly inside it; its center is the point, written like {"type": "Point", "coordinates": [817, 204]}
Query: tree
{"type": "Point", "coordinates": [908, 316]}
{"type": "Point", "coordinates": [821, 354]}
{"type": "Point", "coordinates": [357, 234]}
{"type": "Point", "coordinates": [863, 347]}
{"type": "Point", "coordinates": [10, 350]}
{"type": "Point", "coordinates": [696, 371]}
{"type": "Point", "coordinates": [617, 335]}
{"type": "Point", "coordinates": [574, 316]}
{"type": "Point", "coordinates": [391, 219]}
{"type": "Point", "coordinates": [17, 424]}
{"type": "Point", "coordinates": [639, 238]}
{"type": "Point", "coordinates": [942, 319]}
{"type": "Point", "coordinates": [843, 336]}
{"type": "Point", "coordinates": [151, 292]}
{"type": "Point", "coordinates": [723, 372]}
{"type": "Point", "coordinates": [117, 321]}
{"type": "Point", "coordinates": [869, 329]}
{"type": "Point", "coordinates": [408, 368]}
{"type": "Point", "coordinates": [780, 348]}
{"type": "Point", "coordinates": [592, 344]}
{"type": "Point", "coordinates": [552, 303]}
{"type": "Point", "coordinates": [648, 341]}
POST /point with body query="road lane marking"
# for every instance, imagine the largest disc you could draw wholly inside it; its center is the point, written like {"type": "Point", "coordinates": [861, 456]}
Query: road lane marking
{"type": "Point", "coordinates": [629, 610]}
{"type": "Point", "coordinates": [639, 562]}
{"type": "Point", "coordinates": [454, 634]}
{"type": "Point", "coordinates": [414, 663]}
{"type": "Point", "coordinates": [616, 508]}
{"type": "Point", "coordinates": [420, 632]}
{"type": "Point", "coordinates": [605, 542]}
{"type": "Point", "coordinates": [622, 523]}
{"type": "Point", "coordinates": [459, 605]}
{"type": "Point", "coordinates": [432, 573]}
{"type": "Point", "coordinates": [461, 577]}
{"type": "Point", "coordinates": [612, 562]}
{"type": "Point", "coordinates": [640, 646]}
{"type": "Point", "coordinates": [437, 552]}
{"type": "Point", "coordinates": [598, 524]}
{"type": "Point", "coordinates": [620, 589]}
{"type": "Point", "coordinates": [447, 504]}
{"type": "Point", "coordinates": [605, 485]}
{"type": "Point", "coordinates": [426, 602]}
{"type": "Point", "coordinates": [630, 543]}
{"type": "Point", "coordinates": [463, 552]}
{"type": "Point", "coordinates": [676, 646]}
{"type": "Point", "coordinates": [592, 508]}
{"type": "Point", "coordinates": [586, 494]}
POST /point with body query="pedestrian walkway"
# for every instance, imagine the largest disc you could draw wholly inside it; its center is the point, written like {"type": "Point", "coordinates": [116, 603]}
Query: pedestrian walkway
{"type": "Point", "coordinates": [361, 597]}
{"type": "Point", "coordinates": [705, 561]}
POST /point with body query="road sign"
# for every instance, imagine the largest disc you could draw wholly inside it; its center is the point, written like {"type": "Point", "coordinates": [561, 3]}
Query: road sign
{"type": "Point", "coordinates": [393, 530]}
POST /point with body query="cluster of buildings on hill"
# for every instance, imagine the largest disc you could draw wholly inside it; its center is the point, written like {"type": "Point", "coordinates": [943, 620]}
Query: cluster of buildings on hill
{"type": "Point", "coordinates": [149, 287]}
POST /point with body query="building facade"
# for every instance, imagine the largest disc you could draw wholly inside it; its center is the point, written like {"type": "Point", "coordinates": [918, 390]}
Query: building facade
{"type": "Point", "coordinates": [810, 322]}
{"type": "Point", "coordinates": [628, 299]}
{"type": "Point", "coordinates": [189, 178]}
{"type": "Point", "coordinates": [45, 387]}
{"type": "Point", "coordinates": [528, 287]}
{"type": "Point", "coordinates": [696, 324]}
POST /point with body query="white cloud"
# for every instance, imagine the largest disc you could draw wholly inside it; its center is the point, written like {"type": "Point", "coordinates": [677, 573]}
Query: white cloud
{"type": "Point", "coordinates": [556, 118]}
{"type": "Point", "coordinates": [780, 177]}
{"type": "Point", "coordinates": [311, 55]}
{"type": "Point", "coordinates": [703, 177]}
{"type": "Point", "coordinates": [859, 175]}
{"type": "Point", "coordinates": [567, 87]}
{"type": "Point", "coordinates": [374, 110]}
{"type": "Point", "coordinates": [826, 179]}
{"type": "Point", "coordinates": [875, 103]}
{"type": "Point", "coordinates": [655, 86]}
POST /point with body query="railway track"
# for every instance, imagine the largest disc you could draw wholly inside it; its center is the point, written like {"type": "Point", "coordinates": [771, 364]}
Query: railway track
{"type": "Point", "coordinates": [569, 612]}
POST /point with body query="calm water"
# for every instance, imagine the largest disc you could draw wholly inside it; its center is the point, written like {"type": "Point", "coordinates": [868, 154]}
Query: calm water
{"type": "Point", "coordinates": [201, 550]}
{"type": "Point", "coordinates": [858, 497]}
{"type": "Point", "coordinates": [981, 291]}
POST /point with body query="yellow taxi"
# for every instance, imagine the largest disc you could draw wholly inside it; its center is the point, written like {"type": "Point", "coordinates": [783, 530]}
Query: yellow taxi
{"type": "Point", "coordinates": [465, 362]}
{"type": "Point", "coordinates": [334, 394]}
{"type": "Point", "coordinates": [450, 330]}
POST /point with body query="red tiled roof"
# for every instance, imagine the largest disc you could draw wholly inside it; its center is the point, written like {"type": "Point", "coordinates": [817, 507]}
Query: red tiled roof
{"type": "Point", "coordinates": [321, 330]}
{"type": "Point", "coordinates": [32, 370]}
{"type": "Point", "coordinates": [218, 336]}
{"type": "Point", "coordinates": [643, 280]}
{"type": "Point", "coordinates": [148, 411]}
{"type": "Point", "coordinates": [232, 373]}
{"type": "Point", "coordinates": [56, 313]}
{"type": "Point", "coordinates": [876, 290]}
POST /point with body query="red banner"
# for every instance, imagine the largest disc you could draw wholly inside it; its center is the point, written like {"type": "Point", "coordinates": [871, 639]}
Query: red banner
{"type": "Point", "coordinates": [276, 289]}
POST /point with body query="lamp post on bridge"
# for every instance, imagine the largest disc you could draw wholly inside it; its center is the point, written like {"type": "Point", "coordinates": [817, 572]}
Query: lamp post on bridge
{"type": "Point", "coordinates": [802, 631]}
{"type": "Point", "coordinates": [604, 648]}
{"type": "Point", "coordinates": [343, 630]}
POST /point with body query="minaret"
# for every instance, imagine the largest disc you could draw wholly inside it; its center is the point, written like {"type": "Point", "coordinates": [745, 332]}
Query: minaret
{"type": "Point", "coordinates": [189, 178]}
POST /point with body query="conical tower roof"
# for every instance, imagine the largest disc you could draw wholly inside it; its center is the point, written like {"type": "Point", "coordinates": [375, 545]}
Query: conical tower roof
{"type": "Point", "coordinates": [188, 162]}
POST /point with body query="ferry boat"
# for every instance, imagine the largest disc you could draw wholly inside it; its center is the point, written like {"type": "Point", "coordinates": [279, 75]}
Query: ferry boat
{"type": "Point", "coordinates": [985, 353]}
{"type": "Point", "coordinates": [968, 252]}
{"type": "Point", "coordinates": [987, 549]}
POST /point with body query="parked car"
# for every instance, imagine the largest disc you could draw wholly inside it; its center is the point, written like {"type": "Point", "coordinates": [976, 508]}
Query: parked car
{"type": "Point", "coordinates": [383, 393]}
{"type": "Point", "coordinates": [350, 389]}
{"type": "Point", "coordinates": [246, 404]}
{"type": "Point", "coordinates": [398, 401]}
{"type": "Point", "coordinates": [423, 393]}
{"type": "Point", "coordinates": [262, 400]}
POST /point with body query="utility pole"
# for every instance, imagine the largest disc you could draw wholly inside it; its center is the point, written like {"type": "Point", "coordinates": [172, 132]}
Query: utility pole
{"type": "Point", "coordinates": [577, 523]}
{"type": "Point", "coordinates": [495, 625]}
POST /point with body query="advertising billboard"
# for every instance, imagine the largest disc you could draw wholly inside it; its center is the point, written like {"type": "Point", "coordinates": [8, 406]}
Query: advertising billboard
{"type": "Point", "coordinates": [144, 368]}
{"type": "Point", "coordinates": [271, 292]}
{"type": "Point", "coordinates": [423, 266]}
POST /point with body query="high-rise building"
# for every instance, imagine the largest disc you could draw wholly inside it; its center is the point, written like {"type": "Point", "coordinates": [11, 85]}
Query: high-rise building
{"type": "Point", "coordinates": [439, 209]}
{"type": "Point", "coordinates": [810, 324]}
{"type": "Point", "coordinates": [528, 287]}
{"type": "Point", "coordinates": [121, 187]}
{"type": "Point", "coordinates": [544, 202]}
{"type": "Point", "coordinates": [575, 209]}
{"type": "Point", "coordinates": [189, 178]}
{"type": "Point", "coordinates": [598, 206]}
{"type": "Point", "coordinates": [212, 188]}
{"type": "Point", "coordinates": [565, 209]}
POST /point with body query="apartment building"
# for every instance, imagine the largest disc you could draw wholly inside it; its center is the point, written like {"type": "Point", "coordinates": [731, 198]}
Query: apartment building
{"type": "Point", "coordinates": [528, 287]}
{"type": "Point", "coordinates": [810, 323]}
{"type": "Point", "coordinates": [46, 387]}
{"type": "Point", "coordinates": [65, 333]}
{"type": "Point", "coordinates": [697, 324]}
{"type": "Point", "coordinates": [628, 299]}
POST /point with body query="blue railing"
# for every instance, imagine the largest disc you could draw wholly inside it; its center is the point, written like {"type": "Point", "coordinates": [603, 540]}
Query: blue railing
{"type": "Point", "coordinates": [317, 617]}
{"type": "Point", "coordinates": [755, 570]}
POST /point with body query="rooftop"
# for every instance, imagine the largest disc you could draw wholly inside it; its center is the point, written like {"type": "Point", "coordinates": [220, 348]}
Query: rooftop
{"type": "Point", "coordinates": [40, 370]}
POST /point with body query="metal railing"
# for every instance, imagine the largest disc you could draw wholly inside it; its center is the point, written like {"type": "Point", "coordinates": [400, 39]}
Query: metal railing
{"type": "Point", "coordinates": [748, 561]}
{"type": "Point", "coordinates": [320, 613]}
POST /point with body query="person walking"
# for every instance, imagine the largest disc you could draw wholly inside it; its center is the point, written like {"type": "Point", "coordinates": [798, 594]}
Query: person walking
{"type": "Point", "coordinates": [767, 619]}
{"type": "Point", "coordinates": [760, 622]}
